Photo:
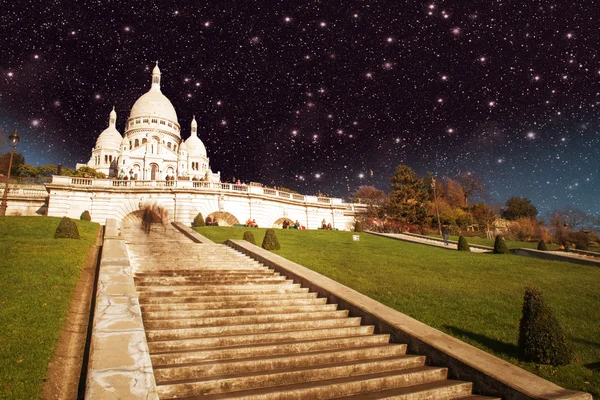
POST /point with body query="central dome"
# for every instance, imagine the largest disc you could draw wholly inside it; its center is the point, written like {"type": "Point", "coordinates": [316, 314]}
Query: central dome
{"type": "Point", "coordinates": [154, 103]}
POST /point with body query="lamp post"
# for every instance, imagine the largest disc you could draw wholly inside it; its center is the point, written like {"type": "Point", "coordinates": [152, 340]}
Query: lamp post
{"type": "Point", "coordinates": [14, 141]}
{"type": "Point", "coordinates": [437, 211]}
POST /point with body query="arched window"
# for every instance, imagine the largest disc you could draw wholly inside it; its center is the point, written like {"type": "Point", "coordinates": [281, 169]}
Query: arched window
{"type": "Point", "coordinates": [137, 142]}
{"type": "Point", "coordinates": [144, 140]}
{"type": "Point", "coordinates": [130, 144]}
{"type": "Point", "coordinates": [169, 145]}
{"type": "Point", "coordinates": [110, 158]}
{"type": "Point", "coordinates": [154, 120]}
{"type": "Point", "coordinates": [106, 159]}
{"type": "Point", "coordinates": [174, 147]}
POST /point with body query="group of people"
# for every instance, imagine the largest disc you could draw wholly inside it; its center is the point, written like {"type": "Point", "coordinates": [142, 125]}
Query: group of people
{"type": "Point", "coordinates": [288, 225]}
{"type": "Point", "coordinates": [251, 223]}
{"type": "Point", "coordinates": [211, 222]}
{"type": "Point", "coordinates": [325, 225]}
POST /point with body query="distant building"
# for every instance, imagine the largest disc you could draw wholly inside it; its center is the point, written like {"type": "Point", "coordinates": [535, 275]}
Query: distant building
{"type": "Point", "coordinates": [152, 147]}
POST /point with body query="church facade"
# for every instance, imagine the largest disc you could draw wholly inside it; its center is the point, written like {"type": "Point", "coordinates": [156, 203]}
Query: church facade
{"type": "Point", "coordinates": [151, 147]}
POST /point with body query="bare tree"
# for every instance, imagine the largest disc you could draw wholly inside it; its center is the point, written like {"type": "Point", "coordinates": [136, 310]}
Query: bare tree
{"type": "Point", "coordinates": [472, 186]}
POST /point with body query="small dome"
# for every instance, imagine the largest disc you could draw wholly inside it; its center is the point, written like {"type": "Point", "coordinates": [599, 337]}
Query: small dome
{"type": "Point", "coordinates": [110, 138]}
{"type": "Point", "coordinates": [195, 146]}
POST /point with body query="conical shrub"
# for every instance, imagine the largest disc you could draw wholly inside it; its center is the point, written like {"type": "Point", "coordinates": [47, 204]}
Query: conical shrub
{"type": "Point", "coordinates": [358, 226]}
{"type": "Point", "coordinates": [542, 246]}
{"type": "Point", "coordinates": [541, 338]}
{"type": "Point", "coordinates": [67, 229]}
{"type": "Point", "coordinates": [85, 216]}
{"type": "Point", "coordinates": [249, 237]}
{"type": "Point", "coordinates": [500, 246]}
{"type": "Point", "coordinates": [270, 241]}
{"type": "Point", "coordinates": [462, 244]}
{"type": "Point", "coordinates": [198, 221]}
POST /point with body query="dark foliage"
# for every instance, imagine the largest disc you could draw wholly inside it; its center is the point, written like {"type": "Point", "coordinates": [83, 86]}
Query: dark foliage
{"type": "Point", "coordinates": [517, 207]}
{"type": "Point", "coordinates": [249, 237]}
{"type": "Point", "coordinates": [199, 220]}
{"type": "Point", "coordinates": [358, 226]}
{"type": "Point", "coordinates": [541, 338]}
{"type": "Point", "coordinates": [580, 240]}
{"type": "Point", "coordinates": [85, 216]}
{"type": "Point", "coordinates": [500, 246]}
{"type": "Point", "coordinates": [462, 244]}
{"type": "Point", "coordinates": [270, 241]}
{"type": "Point", "coordinates": [67, 229]}
{"type": "Point", "coordinates": [542, 246]}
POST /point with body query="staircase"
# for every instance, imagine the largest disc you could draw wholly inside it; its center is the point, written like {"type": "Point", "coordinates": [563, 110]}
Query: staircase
{"type": "Point", "coordinates": [219, 325]}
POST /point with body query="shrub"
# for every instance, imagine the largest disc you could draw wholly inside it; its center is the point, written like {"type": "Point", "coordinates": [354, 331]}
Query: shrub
{"type": "Point", "coordinates": [541, 338]}
{"type": "Point", "coordinates": [270, 241]}
{"type": "Point", "coordinates": [462, 244]}
{"type": "Point", "coordinates": [249, 237]}
{"type": "Point", "coordinates": [85, 216]}
{"type": "Point", "coordinates": [199, 220]}
{"type": "Point", "coordinates": [500, 246]}
{"type": "Point", "coordinates": [358, 226]}
{"type": "Point", "coordinates": [542, 246]}
{"type": "Point", "coordinates": [67, 229]}
{"type": "Point", "coordinates": [580, 239]}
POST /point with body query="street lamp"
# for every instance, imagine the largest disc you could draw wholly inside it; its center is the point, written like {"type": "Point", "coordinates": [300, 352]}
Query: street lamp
{"type": "Point", "coordinates": [14, 141]}
{"type": "Point", "coordinates": [437, 211]}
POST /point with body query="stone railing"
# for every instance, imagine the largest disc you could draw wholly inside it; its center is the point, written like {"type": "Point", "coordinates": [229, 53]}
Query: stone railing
{"type": "Point", "coordinates": [16, 191]}
{"type": "Point", "coordinates": [201, 186]}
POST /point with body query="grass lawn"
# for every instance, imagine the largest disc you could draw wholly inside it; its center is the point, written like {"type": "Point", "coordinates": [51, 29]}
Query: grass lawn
{"type": "Point", "coordinates": [474, 297]}
{"type": "Point", "coordinates": [37, 277]}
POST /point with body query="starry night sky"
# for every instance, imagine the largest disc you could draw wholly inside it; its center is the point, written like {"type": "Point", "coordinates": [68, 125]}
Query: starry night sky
{"type": "Point", "coordinates": [315, 95]}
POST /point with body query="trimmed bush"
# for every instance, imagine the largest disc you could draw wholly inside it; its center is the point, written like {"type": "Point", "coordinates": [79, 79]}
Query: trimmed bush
{"type": "Point", "coordinates": [270, 241]}
{"type": "Point", "coordinates": [542, 246]}
{"type": "Point", "coordinates": [358, 226]}
{"type": "Point", "coordinates": [249, 237]}
{"type": "Point", "coordinates": [462, 244]}
{"type": "Point", "coordinates": [500, 246]}
{"type": "Point", "coordinates": [67, 229]}
{"type": "Point", "coordinates": [580, 240]}
{"type": "Point", "coordinates": [85, 216]}
{"type": "Point", "coordinates": [541, 338]}
{"type": "Point", "coordinates": [199, 220]}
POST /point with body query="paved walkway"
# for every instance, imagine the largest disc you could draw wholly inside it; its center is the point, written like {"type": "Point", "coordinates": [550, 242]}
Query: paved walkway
{"type": "Point", "coordinates": [428, 241]}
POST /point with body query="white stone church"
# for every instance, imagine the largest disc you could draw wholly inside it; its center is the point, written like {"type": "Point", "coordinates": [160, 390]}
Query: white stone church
{"type": "Point", "coordinates": [152, 147]}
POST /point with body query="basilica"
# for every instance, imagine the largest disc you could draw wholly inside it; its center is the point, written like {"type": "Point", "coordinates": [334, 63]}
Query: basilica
{"type": "Point", "coordinates": [151, 147]}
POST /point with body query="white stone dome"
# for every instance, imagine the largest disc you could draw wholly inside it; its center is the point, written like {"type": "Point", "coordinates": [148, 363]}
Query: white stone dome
{"type": "Point", "coordinates": [195, 147]}
{"type": "Point", "coordinates": [154, 103]}
{"type": "Point", "coordinates": [110, 138]}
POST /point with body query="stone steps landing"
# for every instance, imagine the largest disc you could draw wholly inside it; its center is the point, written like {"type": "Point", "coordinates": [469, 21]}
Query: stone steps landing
{"type": "Point", "coordinates": [235, 329]}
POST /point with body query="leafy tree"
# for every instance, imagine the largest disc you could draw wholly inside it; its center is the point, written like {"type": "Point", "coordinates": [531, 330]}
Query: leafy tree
{"type": "Point", "coordinates": [500, 246]}
{"type": "Point", "coordinates": [249, 237]}
{"type": "Point", "coordinates": [409, 196]}
{"type": "Point", "coordinates": [542, 246]}
{"type": "Point", "coordinates": [88, 172]}
{"type": "Point", "coordinates": [66, 229]}
{"type": "Point", "coordinates": [17, 161]}
{"type": "Point", "coordinates": [454, 193]}
{"type": "Point", "coordinates": [374, 198]}
{"type": "Point", "coordinates": [199, 220]}
{"type": "Point", "coordinates": [85, 216]}
{"type": "Point", "coordinates": [270, 241]}
{"type": "Point", "coordinates": [463, 245]}
{"type": "Point", "coordinates": [483, 214]}
{"type": "Point", "coordinates": [29, 171]}
{"type": "Point", "coordinates": [517, 207]}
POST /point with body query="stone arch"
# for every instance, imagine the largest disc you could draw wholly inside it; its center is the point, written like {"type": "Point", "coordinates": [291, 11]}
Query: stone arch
{"type": "Point", "coordinates": [279, 223]}
{"type": "Point", "coordinates": [223, 218]}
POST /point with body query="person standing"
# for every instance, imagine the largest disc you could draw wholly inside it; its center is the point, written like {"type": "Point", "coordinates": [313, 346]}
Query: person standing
{"type": "Point", "coordinates": [445, 235]}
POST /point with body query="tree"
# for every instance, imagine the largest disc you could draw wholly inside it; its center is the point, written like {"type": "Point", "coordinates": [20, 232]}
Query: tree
{"type": "Point", "coordinates": [517, 207]}
{"type": "Point", "coordinates": [374, 198]}
{"type": "Point", "coordinates": [500, 246]}
{"type": "Point", "coordinates": [483, 214]}
{"type": "Point", "coordinates": [88, 172]}
{"type": "Point", "coordinates": [409, 196]}
{"type": "Point", "coordinates": [471, 185]}
{"type": "Point", "coordinates": [28, 171]}
{"type": "Point", "coordinates": [454, 193]}
{"type": "Point", "coordinates": [17, 161]}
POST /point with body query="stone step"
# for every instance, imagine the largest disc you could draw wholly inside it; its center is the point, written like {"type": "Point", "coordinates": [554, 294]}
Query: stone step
{"type": "Point", "coordinates": [478, 397]}
{"type": "Point", "coordinates": [386, 368]}
{"type": "Point", "coordinates": [220, 331]}
{"type": "Point", "coordinates": [212, 280]}
{"type": "Point", "coordinates": [158, 315]}
{"type": "Point", "coordinates": [241, 320]}
{"type": "Point", "coordinates": [280, 349]}
{"type": "Point", "coordinates": [204, 370]}
{"type": "Point", "coordinates": [223, 292]}
{"type": "Point", "coordinates": [232, 304]}
{"type": "Point", "coordinates": [217, 288]}
{"type": "Point", "coordinates": [177, 273]}
{"type": "Point", "coordinates": [258, 338]}
{"type": "Point", "coordinates": [188, 298]}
